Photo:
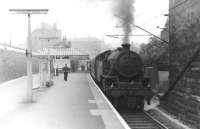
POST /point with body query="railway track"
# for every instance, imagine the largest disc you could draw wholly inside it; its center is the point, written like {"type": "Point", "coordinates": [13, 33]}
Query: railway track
{"type": "Point", "coordinates": [141, 120]}
{"type": "Point", "coordinates": [137, 120]}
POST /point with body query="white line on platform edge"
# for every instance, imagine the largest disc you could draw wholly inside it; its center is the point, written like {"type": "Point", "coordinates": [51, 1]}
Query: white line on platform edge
{"type": "Point", "coordinates": [110, 105]}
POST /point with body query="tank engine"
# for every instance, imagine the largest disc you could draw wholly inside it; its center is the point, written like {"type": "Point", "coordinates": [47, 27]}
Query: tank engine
{"type": "Point", "coordinates": [119, 74]}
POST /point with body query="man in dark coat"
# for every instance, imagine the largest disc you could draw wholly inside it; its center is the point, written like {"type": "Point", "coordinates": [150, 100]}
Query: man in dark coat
{"type": "Point", "coordinates": [66, 70]}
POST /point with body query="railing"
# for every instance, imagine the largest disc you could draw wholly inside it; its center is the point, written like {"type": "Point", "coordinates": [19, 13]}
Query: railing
{"type": "Point", "coordinates": [17, 49]}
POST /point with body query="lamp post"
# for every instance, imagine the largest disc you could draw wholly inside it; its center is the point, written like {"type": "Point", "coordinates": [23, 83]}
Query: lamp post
{"type": "Point", "coordinates": [29, 12]}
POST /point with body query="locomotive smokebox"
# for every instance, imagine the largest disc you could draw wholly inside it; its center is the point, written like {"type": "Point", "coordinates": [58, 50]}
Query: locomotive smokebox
{"type": "Point", "coordinates": [124, 63]}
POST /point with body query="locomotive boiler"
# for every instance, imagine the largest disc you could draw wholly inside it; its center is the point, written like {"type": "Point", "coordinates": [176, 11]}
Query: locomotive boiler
{"type": "Point", "coordinates": [119, 74]}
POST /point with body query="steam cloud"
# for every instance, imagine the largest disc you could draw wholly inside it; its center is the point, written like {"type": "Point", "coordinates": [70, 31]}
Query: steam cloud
{"type": "Point", "coordinates": [123, 10]}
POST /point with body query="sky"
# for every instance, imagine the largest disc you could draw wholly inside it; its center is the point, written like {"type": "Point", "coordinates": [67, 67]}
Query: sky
{"type": "Point", "coordinates": [80, 18]}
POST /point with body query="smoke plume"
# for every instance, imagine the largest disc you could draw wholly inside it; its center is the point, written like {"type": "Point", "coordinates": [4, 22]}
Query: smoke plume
{"type": "Point", "coordinates": [123, 10]}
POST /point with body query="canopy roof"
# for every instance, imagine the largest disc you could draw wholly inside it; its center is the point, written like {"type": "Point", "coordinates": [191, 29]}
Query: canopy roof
{"type": "Point", "coordinates": [63, 52]}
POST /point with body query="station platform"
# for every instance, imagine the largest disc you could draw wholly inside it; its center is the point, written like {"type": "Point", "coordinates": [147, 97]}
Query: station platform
{"type": "Point", "coordinates": [73, 104]}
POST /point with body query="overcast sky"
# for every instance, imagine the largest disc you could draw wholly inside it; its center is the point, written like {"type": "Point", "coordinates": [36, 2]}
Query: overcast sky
{"type": "Point", "coordinates": [79, 18]}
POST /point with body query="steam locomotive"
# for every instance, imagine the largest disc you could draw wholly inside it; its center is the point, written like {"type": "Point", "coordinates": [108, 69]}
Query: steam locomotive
{"type": "Point", "coordinates": [119, 74]}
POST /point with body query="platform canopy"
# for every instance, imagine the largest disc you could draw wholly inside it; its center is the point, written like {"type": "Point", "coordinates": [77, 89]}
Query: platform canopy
{"type": "Point", "coordinates": [71, 52]}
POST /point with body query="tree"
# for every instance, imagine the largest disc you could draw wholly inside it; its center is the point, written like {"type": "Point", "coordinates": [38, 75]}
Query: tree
{"type": "Point", "coordinates": [153, 50]}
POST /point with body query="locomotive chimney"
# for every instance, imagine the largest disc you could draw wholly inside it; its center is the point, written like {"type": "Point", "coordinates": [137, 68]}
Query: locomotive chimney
{"type": "Point", "coordinates": [126, 46]}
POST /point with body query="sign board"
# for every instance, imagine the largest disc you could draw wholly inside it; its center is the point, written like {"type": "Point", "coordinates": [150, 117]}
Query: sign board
{"type": "Point", "coordinates": [60, 63]}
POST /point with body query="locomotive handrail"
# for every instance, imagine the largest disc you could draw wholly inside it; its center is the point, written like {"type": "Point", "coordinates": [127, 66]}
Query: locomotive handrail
{"type": "Point", "coordinates": [194, 56]}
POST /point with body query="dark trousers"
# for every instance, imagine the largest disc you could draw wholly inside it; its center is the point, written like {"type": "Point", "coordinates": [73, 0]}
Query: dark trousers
{"type": "Point", "coordinates": [65, 76]}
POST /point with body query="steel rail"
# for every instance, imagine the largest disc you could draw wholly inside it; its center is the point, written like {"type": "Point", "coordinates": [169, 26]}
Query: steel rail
{"type": "Point", "coordinates": [161, 125]}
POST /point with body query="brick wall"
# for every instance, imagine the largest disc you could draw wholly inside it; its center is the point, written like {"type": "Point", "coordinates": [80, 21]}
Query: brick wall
{"type": "Point", "coordinates": [184, 100]}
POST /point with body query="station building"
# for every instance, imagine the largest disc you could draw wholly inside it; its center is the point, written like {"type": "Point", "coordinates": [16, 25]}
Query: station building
{"type": "Point", "coordinates": [61, 54]}
{"type": "Point", "coordinates": [46, 36]}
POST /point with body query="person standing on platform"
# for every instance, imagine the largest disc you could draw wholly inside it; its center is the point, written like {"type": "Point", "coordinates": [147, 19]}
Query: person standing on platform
{"type": "Point", "coordinates": [66, 70]}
